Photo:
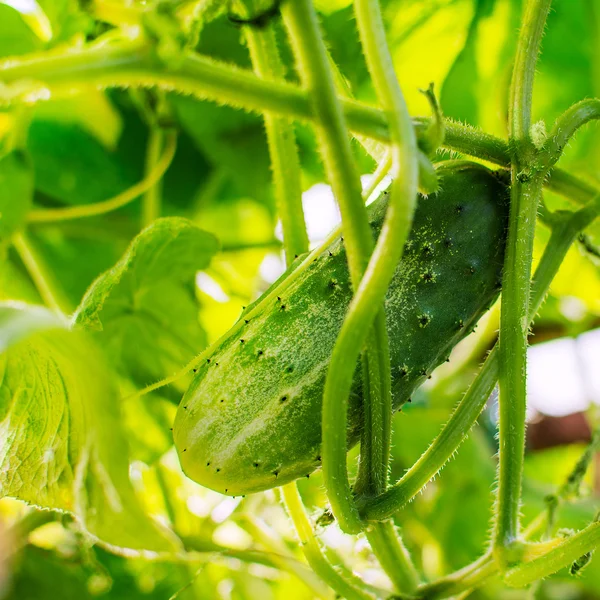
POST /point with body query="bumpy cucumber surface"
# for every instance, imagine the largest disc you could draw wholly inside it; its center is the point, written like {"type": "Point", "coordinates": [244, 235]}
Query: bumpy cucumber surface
{"type": "Point", "coordinates": [251, 419]}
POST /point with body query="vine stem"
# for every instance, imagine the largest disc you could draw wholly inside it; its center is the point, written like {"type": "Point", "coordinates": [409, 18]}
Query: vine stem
{"type": "Point", "coordinates": [526, 186]}
{"type": "Point", "coordinates": [564, 232]}
{"type": "Point", "coordinates": [285, 163]}
{"type": "Point", "coordinates": [465, 580]}
{"type": "Point", "coordinates": [52, 215]}
{"type": "Point", "coordinates": [130, 63]}
{"type": "Point", "coordinates": [373, 469]}
{"type": "Point", "coordinates": [305, 36]}
{"type": "Point", "coordinates": [151, 202]}
{"type": "Point", "coordinates": [473, 575]}
{"type": "Point", "coordinates": [377, 414]}
{"type": "Point", "coordinates": [393, 556]}
{"type": "Point", "coordinates": [34, 264]}
{"type": "Point", "coordinates": [312, 550]}
{"type": "Point", "coordinates": [265, 537]}
{"type": "Point", "coordinates": [566, 126]}
{"type": "Point", "coordinates": [562, 553]}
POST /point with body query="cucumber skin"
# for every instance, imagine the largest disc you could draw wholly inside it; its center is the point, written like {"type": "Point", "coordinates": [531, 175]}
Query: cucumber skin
{"type": "Point", "coordinates": [251, 419]}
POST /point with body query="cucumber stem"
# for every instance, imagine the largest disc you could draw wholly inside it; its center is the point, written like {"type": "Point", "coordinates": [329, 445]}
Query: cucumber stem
{"type": "Point", "coordinates": [376, 438]}
{"type": "Point", "coordinates": [281, 138]}
{"type": "Point", "coordinates": [526, 187]}
{"type": "Point", "coordinates": [151, 202]}
{"type": "Point", "coordinates": [312, 550]}
{"type": "Point", "coordinates": [44, 282]}
{"type": "Point", "coordinates": [130, 63]}
{"type": "Point", "coordinates": [303, 28]}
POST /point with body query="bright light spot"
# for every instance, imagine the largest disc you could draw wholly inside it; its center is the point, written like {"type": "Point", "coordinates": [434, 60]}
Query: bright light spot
{"type": "Point", "coordinates": [572, 308]}
{"type": "Point", "coordinates": [272, 267]}
{"type": "Point", "coordinates": [210, 287]}
{"type": "Point", "coordinates": [198, 506]}
{"type": "Point", "coordinates": [232, 535]}
{"type": "Point", "coordinates": [50, 536]}
{"type": "Point", "coordinates": [224, 588]}
{"type": "Point", "coordinates": [135, 471]}
{"type": "Point", "coordinates": [588, 345]}
{"type": "Point", "coordinates": [556, 376]}
{"type": "Point", "coordinates": [335, 538]}
{"type": "Point", "coordinates": [22, 6]}
{"type": "Point", "coordinates": [320, 213]}
{"type": "Point", "coordinates": [34, 16]}
{"type": "Point", "coordinates": [223, 510]}
{"type": "Point", "coordinates": [382, 186]}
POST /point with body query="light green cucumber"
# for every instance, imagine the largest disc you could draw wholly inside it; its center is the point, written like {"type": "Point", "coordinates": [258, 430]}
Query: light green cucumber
{"type": "Point", "coordinates": [251, 419]}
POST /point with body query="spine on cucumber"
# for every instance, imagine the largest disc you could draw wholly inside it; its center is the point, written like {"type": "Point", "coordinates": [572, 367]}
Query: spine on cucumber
{"type": "Point", "coordinates": [251, 419]}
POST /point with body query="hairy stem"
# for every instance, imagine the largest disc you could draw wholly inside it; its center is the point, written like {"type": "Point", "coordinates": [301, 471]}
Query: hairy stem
{"type": "Point", "coordinates": [376, 438]}
{"type": "Point", "coordinates": [131, 63]}
{"type": "Point", "coordinates": [312, 550]}
{"type": "Point", "coordinates": [373, 470]}
{"type": "Point", "coordinates": [566, 126]}
{"type": "Point", "coordinates": [281, 138]}
{"type": "Point", "coordinates": [562, 554]}
{"type": "Point", "coordinates": [151, 203]}
{"type": "Point", "coordinates": [42, 279]}
{"type": "Point", "coordinates": [395, 559]}
{"type": "Point", "coordinates": [301, 21]}
{"type": "Point", "coordinates": [514, 313]}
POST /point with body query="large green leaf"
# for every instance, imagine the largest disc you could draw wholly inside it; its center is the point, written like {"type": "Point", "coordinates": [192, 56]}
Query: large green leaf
{"type": "Point", "coordinates": [144, 308]}
{"type": "Point", "coordinates": [62, 443]}
{"type": "Point", "coordinates": [73, 167]}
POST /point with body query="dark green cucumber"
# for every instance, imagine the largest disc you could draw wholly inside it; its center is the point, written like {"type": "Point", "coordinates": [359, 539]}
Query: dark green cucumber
{"type": "Point", "coordinates": [251, 419]}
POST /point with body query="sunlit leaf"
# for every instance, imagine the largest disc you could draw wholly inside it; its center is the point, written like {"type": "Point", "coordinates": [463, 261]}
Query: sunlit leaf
{"type": "Point", "coordinates": [67, 160]}
{"type": "Point", "coordinates": [144, 307]}
{"type": "Point", "coordinates": [62, 442]}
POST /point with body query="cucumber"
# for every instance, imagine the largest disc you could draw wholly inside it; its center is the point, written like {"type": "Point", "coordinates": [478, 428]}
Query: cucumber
{"type": "Point", "coordinates": [251, 418]}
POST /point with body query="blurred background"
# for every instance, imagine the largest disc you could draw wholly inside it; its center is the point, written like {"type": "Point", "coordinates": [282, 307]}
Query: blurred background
{"type": "Point", "coordinates": [91, 146]}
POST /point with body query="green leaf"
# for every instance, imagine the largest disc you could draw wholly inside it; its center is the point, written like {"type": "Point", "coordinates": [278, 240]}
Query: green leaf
{"type": "Point", "coordinates": [145, 306]}
{"type": "Point", "coordinates": [16, 192]}
{"type": "Point", "coordinates": [67, 160]}
{"type": "Point", "coordinates": [15, 36]}
{"type": "Point", "coordinates": [230, 138]}
{"type": "Point", "coordinates": [62, 443]}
